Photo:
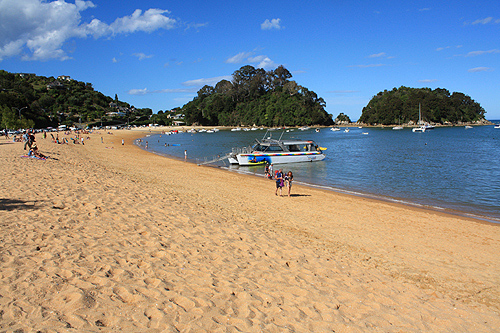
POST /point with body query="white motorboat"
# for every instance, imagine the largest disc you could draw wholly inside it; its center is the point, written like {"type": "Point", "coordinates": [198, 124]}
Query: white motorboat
{"type": "Point", "coordinates": [335, 129]}
{"type": "Point", "coordinates": [497, 126]}
{"type": "Point", "coordinates": [397, 128]}
{"type": "Point", "coordinates": [277, 152]}
{"type": "Point", "coordinates": [468, 127]}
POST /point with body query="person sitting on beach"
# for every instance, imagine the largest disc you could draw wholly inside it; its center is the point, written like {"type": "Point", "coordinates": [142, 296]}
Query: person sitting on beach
{"type": "Point", "coordinates": [288, 181]}
{"type": "Point", "coordinates": [279, 182]}
{"type": "Point", "coordinates": [34, 151]}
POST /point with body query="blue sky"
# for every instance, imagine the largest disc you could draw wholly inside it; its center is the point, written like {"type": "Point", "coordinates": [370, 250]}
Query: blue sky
{"type": "Point", "coordinates": [158, 54]}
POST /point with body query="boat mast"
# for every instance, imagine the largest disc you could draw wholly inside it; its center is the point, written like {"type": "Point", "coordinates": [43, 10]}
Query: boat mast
{"type": "Point", "coordinates": [419, 115]}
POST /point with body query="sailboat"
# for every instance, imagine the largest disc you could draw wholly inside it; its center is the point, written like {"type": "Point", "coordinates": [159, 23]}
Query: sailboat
{"type": "Point", "coordinates": [421, 128]}
{"type": "Point", "coordinates": [399, 127]}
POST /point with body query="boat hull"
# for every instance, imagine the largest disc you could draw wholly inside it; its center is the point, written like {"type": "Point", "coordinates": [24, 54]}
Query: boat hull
{"type": "Point", "coordinates": [276, 158]}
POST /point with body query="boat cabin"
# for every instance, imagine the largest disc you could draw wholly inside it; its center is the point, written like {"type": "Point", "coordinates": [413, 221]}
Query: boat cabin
{"type": "Point", "coordinates": [273, 146]}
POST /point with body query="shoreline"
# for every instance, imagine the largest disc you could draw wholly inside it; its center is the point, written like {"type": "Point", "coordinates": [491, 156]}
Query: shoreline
{"type": "Point", "coordinates": [394, 200]}
{"type": "Point", "coordinates": [109, 237]}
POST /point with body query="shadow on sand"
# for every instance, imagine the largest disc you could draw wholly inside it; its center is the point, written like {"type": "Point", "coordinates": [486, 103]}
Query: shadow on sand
{"type": "Point", "coordinates": [10, 204]}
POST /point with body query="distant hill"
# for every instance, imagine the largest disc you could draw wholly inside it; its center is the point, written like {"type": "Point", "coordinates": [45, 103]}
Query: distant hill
{"type": "Point", "coordinates": [257, 97]}
{"type": "Point", "coordinates": [438, 106]}
{"type": "Point", "coordinates": [28, 100]}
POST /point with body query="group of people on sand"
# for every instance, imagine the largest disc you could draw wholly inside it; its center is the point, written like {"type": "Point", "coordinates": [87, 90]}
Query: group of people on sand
{"type": "Point", "coordinates": [29, 142]}
{"type": "Point", "coordinates": [281, 178]}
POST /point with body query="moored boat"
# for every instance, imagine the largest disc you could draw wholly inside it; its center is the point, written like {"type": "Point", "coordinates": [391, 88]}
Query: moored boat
{"type": "Point", "coordinates": [277, 152]}
{"type": "Point", "coordinates": [418, 129]}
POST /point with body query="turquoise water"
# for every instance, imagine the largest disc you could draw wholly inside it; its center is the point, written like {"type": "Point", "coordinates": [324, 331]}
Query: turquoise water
{"type": "Point", "coordinates": [450, 168]}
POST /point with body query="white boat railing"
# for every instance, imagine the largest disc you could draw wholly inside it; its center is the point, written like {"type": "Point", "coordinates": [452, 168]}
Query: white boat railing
{"type": "Point", "coordinates": [243, 150]}
{"type": "Point", "coordinates": [223, 157]}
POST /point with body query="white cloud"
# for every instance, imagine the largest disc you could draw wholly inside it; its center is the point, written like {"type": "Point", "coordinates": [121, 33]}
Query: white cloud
{"type": "Point", "coordinates": [239, 58]}
{"type": "Point", "coordinates": [377, 55]}
{"type": "Point", "coordinates": [209, 81]}
{"type": "Point", "coordinates": [480, 69]}
{"type": "Point", "coordinates": [261, 61]}
{"type": "Point", "coordinates": [264, 62]}
{"type": "Point", "coordinates": [38, 29]}
{"type": "Point", "coordinates": [442, 48]}
{"type": "Point", "coordinates": [427, 81]}
{"type": "Point", "coordinates": [114, 60]}
{"type": "Point", "coordinates": [483, 21]}
{"type": "Point", "coordinates": [138, 91]}
{"type": "Point", "coordinates": [476, 53]}
{"type": "Point", "coordinates": [142, 56]}
{"type": "Point", "coordinates": [448, 47]}
{"type": "Point", "coordinates": [273, 24]}
{"type": "Point", "coordinates": [149, 21]}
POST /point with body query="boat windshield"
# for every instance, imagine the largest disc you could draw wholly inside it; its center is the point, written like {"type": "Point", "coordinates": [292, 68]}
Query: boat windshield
{"type": "Point", "coordinates": [302, 146]}
{"type": "Point", "coordinates": [267, 148]}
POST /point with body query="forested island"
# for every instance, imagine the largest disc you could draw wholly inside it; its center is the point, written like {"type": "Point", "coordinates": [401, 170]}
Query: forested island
{"type": "Point", "coordinates": [257, 97]}
{"type": "Point", "coordinates": [438, 106]}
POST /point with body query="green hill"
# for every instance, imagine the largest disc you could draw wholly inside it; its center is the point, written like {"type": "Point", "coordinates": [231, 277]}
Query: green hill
{"type": "Point", "coordinates": [257, 97]}
{"type": "Point", "coordinates": [438, 106]}
{"type": "Point", "coordinates": [28, 100]}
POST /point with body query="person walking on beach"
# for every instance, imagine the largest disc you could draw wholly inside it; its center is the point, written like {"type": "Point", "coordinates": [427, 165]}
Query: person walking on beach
{"type": "Point", "coordinates": [27, 139]}
{"type": "Point", "coordinates": [288, 181]}
{"type": "Point", "coordinates": [185, 154]}
{"type": "Point", "coordinates": [279, 182]}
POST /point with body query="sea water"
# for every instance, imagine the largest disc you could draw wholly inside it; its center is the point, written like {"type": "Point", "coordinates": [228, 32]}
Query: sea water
{"type": "Point", "coordinates": [450, 168]}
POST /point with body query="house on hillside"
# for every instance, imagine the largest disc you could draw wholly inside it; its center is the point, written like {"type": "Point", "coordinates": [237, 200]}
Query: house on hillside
{"type": "Point", "coordinates": [115, 114]}
{"type": "Point", "coordinates": [64, 77]}
{"type": "Point", "coordinates": [23, 75]}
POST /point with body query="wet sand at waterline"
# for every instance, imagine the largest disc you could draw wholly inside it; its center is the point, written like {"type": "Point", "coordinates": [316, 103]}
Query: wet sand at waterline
{"type": "Point", "coordinates": [109, 237]}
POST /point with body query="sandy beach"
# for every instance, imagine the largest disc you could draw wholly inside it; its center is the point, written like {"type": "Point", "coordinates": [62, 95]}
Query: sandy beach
{"type": "Point", "coordinates": [108, 237]}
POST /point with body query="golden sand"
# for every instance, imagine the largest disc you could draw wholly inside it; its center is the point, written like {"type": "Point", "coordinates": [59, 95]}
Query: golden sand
{"type": "Point", "coordinates": [108, 237]}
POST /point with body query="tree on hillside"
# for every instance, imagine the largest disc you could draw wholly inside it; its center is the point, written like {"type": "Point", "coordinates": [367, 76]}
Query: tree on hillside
{"type": "Point", "coordinates": [255, 96]}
